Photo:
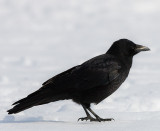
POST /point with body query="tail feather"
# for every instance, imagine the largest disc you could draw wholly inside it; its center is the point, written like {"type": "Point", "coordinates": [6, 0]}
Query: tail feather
{"type": "Point", "coordinates": [36, 93]}
{"type": "Point", "coordinates": [21, 107]}
{"type": "Point", "coordinates": [24, 104]}
{"type": "Point", "coordinates": [37, 98]}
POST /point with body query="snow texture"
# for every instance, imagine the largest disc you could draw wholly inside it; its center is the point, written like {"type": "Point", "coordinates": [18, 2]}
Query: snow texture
{"type": "Point", "coordinates": [40, 39]}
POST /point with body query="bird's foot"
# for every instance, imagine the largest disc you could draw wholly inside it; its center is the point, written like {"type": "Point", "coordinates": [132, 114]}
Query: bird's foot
{"type": "Point", "coordinates": [98, 119]}
{"type": "Point", "coordinates": [87, 118]}
{"type": "Point", "coordinates": [101, 119]}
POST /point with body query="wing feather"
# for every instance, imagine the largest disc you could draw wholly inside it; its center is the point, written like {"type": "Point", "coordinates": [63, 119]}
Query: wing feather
{"type": "Point", "coordinates": [98, 71]}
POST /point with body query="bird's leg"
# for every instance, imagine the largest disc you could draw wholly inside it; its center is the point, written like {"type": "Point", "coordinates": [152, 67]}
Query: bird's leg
{"type": "Point", "coordinates": [99, 118]}
{"type": "Point", "coordinates": [89, 117]}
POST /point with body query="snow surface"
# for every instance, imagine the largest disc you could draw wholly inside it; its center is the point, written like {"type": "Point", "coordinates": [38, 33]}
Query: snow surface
{"type": "Point", "coordinates": [67, 126]}
{"type": "Point", "coordinates": [40, 39]}
{"type": "Point", "coordinates": [128, 121]}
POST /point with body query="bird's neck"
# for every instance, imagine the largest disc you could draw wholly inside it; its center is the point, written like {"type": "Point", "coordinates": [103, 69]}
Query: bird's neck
{"type": "Point", "coordinates": [126, 61]}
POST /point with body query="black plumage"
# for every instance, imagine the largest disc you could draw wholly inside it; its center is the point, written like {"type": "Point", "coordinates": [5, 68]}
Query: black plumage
{"type": "Point", "coordinates": [90, 82]}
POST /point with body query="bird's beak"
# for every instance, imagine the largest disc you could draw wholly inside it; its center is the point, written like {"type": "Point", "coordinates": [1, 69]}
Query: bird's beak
{"type": "Point", "coordinates": [140, 48]}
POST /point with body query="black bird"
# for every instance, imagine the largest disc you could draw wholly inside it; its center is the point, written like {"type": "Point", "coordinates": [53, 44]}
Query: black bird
{"type": "Point", "coordinates": [90, 82]}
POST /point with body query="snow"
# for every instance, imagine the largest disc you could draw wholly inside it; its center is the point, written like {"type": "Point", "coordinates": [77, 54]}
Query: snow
{"type": "Point", "coordinates": [67, 126]}
{"type": "Point", "coordinates": [40, 39]}
{"type": "Point", "coordinates": [125, 122]}
{"type": "Point", "coordinates": [128, 121]}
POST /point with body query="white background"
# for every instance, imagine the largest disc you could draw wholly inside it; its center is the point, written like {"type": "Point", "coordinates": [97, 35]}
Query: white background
{"type": "Point", "coordinates": [39, 39]}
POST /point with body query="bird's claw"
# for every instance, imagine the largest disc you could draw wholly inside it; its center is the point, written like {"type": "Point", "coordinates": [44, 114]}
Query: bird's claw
{"type": "Point", "coordinates": [87, 118]}
{"type": "Point", "coordinates": [97, 119]}
{"type": "Point", "coordinates": [108, 119]}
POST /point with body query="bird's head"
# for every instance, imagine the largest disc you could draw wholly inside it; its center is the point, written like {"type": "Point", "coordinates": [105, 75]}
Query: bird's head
{"type": "Point", "coordinates": [125, 47]}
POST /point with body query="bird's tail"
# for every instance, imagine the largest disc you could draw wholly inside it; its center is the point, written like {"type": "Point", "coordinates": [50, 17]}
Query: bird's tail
{"type": "Point", "coordinates": [37, 98]}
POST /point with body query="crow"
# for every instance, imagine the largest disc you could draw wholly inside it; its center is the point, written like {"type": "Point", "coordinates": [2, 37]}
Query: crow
{"type": "Point", "coordinates": [90, 82]}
